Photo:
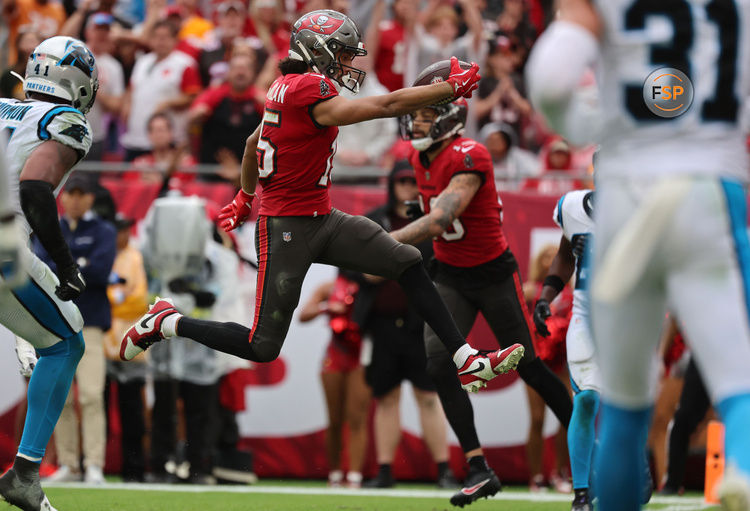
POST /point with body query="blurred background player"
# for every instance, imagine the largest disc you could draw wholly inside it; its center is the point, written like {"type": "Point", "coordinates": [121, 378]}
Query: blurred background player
{"type": "Point", "coordinates": [574, 214]}
{"type": "Point", "coordinates": [475, 271]}
{"type": "Point", "coordinates": [396, 334]}
{"type": "Point", "coordinates": [346, 392]}
{"type": "Point", "coordinates": [674, 232]}
{"type": "Point", "coordinates": [49, 136]}
{"type": "Point", "coordinates": [311, 231]}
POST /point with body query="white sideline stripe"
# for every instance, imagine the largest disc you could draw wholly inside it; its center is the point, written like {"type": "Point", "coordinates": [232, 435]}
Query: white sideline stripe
{"type": "Point", "coordinates": [681, 503]}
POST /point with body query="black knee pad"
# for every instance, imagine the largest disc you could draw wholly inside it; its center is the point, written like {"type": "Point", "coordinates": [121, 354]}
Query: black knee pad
{"type": "Point", "coordinates": [265, 351]}
{"type": "Point", "coordinates": [439, 366]}
{"type": "Point", "coordinates": [407, 255]}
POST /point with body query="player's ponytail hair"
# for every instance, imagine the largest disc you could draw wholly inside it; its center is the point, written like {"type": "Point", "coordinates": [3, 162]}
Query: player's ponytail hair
{"type": "Point", "coordinates": [289, 66]}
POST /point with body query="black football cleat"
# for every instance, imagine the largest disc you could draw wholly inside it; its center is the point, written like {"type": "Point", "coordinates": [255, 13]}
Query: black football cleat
{"type": "Point", "coordinates": [24, 494]}
{"type": "Point", "coordinates": [478, 484]}
{"type": "Point", "coordinates": [581, 501]}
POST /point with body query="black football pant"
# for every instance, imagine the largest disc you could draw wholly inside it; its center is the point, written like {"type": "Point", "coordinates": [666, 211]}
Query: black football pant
{"type": "Point", "coordinates": [200, 404]}
{"type": "Point", "coordinates": [503, 307]}
{"type": "Point", "coordinates": [286, 247]}
{"type": "Point", "coordinates": [694, 403]}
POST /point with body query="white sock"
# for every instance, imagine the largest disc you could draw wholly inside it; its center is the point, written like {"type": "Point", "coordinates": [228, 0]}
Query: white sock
{"type": "Point", "coordinates": [169, 325]}
{"type": "Point", "coordinates": [354, 477]}
{"type": "Point", "coordinates": [462, 354]}
{"type": "Point", "coordinates": [335, 476]}
{"type": "Point", "coordinates": [27, 457]}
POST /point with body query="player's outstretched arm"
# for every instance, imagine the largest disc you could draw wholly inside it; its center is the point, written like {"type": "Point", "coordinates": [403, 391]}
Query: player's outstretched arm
{"type": "Point", "coordinates": [447, 207]}
{"type": "Point", "coordinates": [249, 167]}
{"type": "Point", "coordinates": [339, 111]}
{"type": "Point", "coordinates": [42, 173]}
{"type": "Point", "coordinates": [559, 59]}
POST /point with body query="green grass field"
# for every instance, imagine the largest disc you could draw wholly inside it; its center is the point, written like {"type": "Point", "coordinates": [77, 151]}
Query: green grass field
{"type": "Point", "coordinates": [302, 496]}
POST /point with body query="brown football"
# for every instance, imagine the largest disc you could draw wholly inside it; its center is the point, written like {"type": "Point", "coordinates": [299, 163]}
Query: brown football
{"type": "Point", "coordinates": [438, 72]}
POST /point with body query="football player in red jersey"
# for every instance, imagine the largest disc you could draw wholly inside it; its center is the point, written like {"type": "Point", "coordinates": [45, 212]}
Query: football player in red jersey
{"type": "Point", "coordinates": [476, 271]}
{"type": "Point", "coordinates": [290, 154]}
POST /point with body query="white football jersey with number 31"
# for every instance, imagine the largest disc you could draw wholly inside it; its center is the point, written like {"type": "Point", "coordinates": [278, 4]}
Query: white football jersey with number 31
{"type": "Point", "coordinates": [709, 41]}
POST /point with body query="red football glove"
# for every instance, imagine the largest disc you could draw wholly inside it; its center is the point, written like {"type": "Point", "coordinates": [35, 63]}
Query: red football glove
{"type": "Point", "coordinates": [463, 81]}
{"type": "Point", "coordinates": [236, 212]}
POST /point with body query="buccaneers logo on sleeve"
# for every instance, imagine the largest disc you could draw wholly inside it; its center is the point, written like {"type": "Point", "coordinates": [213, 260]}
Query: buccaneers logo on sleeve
{"type": "Point", "coordinates": [468, 162]}
{"type": "Point", "coordinates": [324, 88]}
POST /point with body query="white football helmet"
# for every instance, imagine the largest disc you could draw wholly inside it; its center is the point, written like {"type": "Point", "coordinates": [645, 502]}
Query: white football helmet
{"type": "Point", "coordinates": [65, 68]}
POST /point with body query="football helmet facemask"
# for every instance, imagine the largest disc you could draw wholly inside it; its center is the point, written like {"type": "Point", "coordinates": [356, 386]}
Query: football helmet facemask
{"type": "Point", "coordinates": [450, 121]}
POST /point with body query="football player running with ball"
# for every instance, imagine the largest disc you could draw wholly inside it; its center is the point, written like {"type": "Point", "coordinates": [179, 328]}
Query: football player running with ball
{"type": "Point", "coordinates": [476, 270]}
{"type": "Point", "coordinates": [291, 154]}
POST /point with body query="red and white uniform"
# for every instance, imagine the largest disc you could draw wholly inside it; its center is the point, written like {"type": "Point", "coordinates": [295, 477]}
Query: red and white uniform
{"type": "Point", "coordinates": [152, 83]}
{"type": "Point", "coordinates": [295, 154]}
{"type": "Point", "coordinates": [391, 55]}
{"type": "Point", "coordinates": [475, 237]}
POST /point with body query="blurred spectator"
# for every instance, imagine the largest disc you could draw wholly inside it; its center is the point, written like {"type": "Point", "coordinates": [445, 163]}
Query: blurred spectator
{"type": "Point", "coordinates": [435, 37]}
{"type": "Point", "coordinates": [213, 60]}
{"type": "Point", "coordinates": [514, 19]}
{"type": "Point", "coordinates": [228, 113]}
{"type": "Point", "coordinates": [43, 17]}
{"type": "Point", "coordinates": [128, 294]}
{"type": "Point", "coordinates": [501, 90]}
{"type": "Point", "coordinates": [10, 85]}
{"type": "Point", "coordinates": [268, 23]}
{"type": "Point", "coordinates": [386, 41]}
{"type": "Point", "coordinates": [111, 81]}
{"type": "Point", "coordinates": [195, 26]}
{"type": "Point", "coordinates": [552, 351]}
{"type": "Point", "coordinates": [380, 134]}
{"type": "Point", "coordinates": [165, 162]}
{"type": "Point", "coordinates": [396, 333]}
{"type": "Point", "coordinates": [511, 163]}
{"type": "Point", "coordinates": [563, 169]}
{"type": "Point", "coordinates": [92, 244]}
{"type": "Point", "coordinates": [201, 276]}
{"type": "Point", "coordinates": [165, 80]}
{"type": "Point", "coordinates": [347, 395]}
{"type": "Point", "coordinates": [78, 20]}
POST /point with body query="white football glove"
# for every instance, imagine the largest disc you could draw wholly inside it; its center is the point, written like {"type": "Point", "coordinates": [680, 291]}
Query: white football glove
{"type": "Point", "coordinates": [12, 253]}
{"type": "Point", "coordinates": [26, 357]}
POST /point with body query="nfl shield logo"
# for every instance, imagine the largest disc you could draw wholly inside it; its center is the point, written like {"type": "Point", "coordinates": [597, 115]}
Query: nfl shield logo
{"type": "Point", "coordinates": [286, 236]}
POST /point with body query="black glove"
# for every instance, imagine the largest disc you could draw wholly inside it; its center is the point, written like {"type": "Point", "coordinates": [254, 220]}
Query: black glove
{"type": "Point", "coordinates": [579, 244]}
{"type": "Point", "coordinates": [541, 313]}
{"type": "Point", "coordinates": [71, 283]}
{"type": "Point", "coordinates": [413, 209]}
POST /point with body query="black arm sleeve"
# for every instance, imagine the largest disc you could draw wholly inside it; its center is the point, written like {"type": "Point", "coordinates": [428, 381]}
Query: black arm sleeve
{"type": "Point", "coordinates": [40, 209]}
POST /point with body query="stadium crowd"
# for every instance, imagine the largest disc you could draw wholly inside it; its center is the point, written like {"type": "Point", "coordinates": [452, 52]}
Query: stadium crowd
{"type": "Point", "coordinates": [203, 67]}
{"type": "Point", "coordinates": [181, 87]}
